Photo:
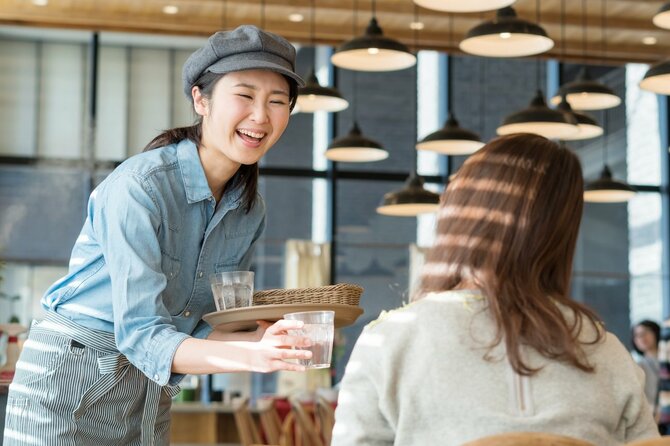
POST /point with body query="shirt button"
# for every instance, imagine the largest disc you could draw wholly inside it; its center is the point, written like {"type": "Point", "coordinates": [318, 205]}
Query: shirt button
{"type": "Point", "coordinates": [187, 313]}
{"type": "Point", "coordinates": [156, 377]}
{"type": "Point", "coordinates": [200, 274]}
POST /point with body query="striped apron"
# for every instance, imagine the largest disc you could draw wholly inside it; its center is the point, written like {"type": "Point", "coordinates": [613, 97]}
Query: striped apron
{"type": "Point", "coordinates": [72, 387]}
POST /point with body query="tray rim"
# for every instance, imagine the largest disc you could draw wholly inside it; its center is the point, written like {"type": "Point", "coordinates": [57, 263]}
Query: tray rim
{"type": "Point", "coordinates": [353, 312]}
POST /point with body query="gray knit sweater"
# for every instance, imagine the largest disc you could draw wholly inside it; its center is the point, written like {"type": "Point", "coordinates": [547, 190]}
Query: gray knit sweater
{"type": "Point", "coordinates": [417, 376]}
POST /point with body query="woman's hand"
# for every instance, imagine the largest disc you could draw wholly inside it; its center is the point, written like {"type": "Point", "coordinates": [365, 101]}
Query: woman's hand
{"type": "Point", "coordinates": [267, 354]}
{"type": "Point", "coordinates": [277, 345]}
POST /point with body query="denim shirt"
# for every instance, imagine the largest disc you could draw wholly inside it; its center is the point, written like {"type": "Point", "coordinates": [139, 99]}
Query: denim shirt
{"type": "Point", "coordinates": [141, 264]}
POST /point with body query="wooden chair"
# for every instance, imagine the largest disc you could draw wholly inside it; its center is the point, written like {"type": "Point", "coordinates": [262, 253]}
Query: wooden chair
{"type": "Point", "coordinates": [528, 439]}
{"type": "Point", "coordinates": [325, 416]}
{"type": "Point", "coordinates": [662, 441]}
{"type": "Point", "coordinates": [246, 425]}
{"type": "Point", "coordinates": [306, 431]}
{"type": "Point", "coordinates": [270, 420]}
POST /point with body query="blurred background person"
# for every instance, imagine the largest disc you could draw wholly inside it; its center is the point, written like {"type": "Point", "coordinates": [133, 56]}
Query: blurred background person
{"type": "Point", "coordinates": [646, 335]}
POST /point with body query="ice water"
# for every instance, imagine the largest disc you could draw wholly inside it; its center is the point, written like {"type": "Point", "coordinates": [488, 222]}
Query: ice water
{"type": "Point", "coordinates": [231, 295]}
{"type": "Point", "coordinates": [321, 336]}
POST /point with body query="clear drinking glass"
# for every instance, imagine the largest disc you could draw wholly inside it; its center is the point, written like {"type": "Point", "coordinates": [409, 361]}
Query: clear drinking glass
{"type": "Point", "coordinates": [232, 289]}
{"type": "Point", "coordinates": [319, 328]}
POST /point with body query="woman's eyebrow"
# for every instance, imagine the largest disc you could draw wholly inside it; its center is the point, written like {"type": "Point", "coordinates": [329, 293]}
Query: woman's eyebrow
{"type": "Point", "coordinates": [253, 87]}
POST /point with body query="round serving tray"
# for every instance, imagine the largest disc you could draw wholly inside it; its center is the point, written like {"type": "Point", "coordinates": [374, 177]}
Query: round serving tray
{"type": "Point", "coordinates": [241, 319]}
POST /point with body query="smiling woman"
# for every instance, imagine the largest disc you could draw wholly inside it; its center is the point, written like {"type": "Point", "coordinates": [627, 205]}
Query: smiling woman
{"type": "Point", "coordinates": [127, 321]}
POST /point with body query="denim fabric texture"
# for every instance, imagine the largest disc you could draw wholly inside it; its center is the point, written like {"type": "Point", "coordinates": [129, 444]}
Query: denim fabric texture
{"type": "Point", "coordinates": [140, 267]}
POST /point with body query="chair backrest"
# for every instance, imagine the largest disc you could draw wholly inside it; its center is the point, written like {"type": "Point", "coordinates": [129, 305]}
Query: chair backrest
{"type": "Point", "coordinates": [661, 441]}
{"type": "Point", "coordinates": [305, 424]}
{"type": "Point", "coordinates": [270, 420]}
{"type": "Point", "coordinates": [325, 415]}
{"type": "Point", "coordinates": [286, 437]}
{"type": "Point", "coordinates": [528, 439]}
{"type": "Point", "coordinates": [246, 426]}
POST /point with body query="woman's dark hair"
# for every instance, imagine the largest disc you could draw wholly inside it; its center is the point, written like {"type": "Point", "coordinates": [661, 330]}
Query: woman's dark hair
{"type": "Point", "coordinates": [247, 175]}
{"type": "Point", "coordinates": [508, 224]}
{"type": "Point", "coordinates": [652, 326]}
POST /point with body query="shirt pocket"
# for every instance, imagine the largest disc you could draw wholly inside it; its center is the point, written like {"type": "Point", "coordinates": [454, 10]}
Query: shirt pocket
{"type": "Point", "coordinates": [235, 247]}
{"type": "Point", "coordinates": [170, 267]}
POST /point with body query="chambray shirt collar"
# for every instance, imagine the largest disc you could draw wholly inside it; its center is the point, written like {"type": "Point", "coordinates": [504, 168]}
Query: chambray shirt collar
{"type": "Point", "coordinates": [195, 181]}
{"type": "Point", "coordinates": [192, 173]}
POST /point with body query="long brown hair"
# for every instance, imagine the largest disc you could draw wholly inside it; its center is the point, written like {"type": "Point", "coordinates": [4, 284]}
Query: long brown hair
{"type": "Point", "coordinates": [247, 175]}
{"type": "Point", "coordinates": [508, 223]}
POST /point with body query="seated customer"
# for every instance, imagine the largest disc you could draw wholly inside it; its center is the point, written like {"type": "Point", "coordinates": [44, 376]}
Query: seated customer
{"type": "Point", "coordinates": [492, 342]}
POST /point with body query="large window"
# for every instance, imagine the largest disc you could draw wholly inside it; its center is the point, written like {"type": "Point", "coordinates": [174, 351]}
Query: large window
{"type": "Point", "coordinates": [52, 156]}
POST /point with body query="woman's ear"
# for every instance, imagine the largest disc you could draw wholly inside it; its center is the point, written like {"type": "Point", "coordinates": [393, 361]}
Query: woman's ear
{"type": "Point", "coordinates": [200, 103]}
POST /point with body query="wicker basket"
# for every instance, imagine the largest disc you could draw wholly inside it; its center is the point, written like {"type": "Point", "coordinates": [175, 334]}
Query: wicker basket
{"type": "Point", "coordinates": [342, 293]}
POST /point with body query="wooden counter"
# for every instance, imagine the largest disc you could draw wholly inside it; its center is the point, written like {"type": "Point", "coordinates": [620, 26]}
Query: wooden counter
{"type": "Point", "coordinates": [197, 423]}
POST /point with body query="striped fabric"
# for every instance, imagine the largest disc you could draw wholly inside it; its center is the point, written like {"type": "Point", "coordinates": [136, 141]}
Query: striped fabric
{"type": "Point", "coordinates": [72, 387]}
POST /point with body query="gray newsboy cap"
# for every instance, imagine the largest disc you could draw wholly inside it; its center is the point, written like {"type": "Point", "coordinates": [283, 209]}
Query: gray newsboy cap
{"type": "Point", "coordinates": [244, 48]}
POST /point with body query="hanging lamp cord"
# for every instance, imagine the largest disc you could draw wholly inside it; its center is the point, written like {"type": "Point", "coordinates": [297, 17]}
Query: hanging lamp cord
{"type": "Point", "coordinates": [224, 15]}
{"type": "Point", "coordinates": [603, 26]}
{"type": "Point", "coordinates": [584, 25]}
{"type": "Point", "coordinates": [537, 60]}
{"type": "Point", "coordinates": [263, 14]}
{"type": "Point", "coordinates": [607, 136]}
{"type": "Point", "coordinates": [450, 69]}
{"type": "Point", "coordinates": [482, 95]}
{"type": "Point", "coordinates": [312, 19]}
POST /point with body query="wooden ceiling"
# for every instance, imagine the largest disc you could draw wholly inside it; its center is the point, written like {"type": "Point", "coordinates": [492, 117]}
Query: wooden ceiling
{"type": "Point", "coordinates": [628, 22]}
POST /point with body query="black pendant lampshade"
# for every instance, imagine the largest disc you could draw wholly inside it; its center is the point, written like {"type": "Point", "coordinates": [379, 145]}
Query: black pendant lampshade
{"type": "Point", "coordinates": [607, 190]}
{"type": "Point", "coordinates": [373, 52]}
{"type": "Point", "coordinates": [584, 93]}
{"type": "Point", "coordinates": [409, 201]}
{"type": "Point", "coordinates": [657, 78]}
{"type": "Point", "coordinates": [451, 139]}
{"type": "Point", "coordinates": [587, 126]}
{"type": "Point", "coordinates": [355, 148]}
{"type": "Point", "coordinates": [313, 97]}
{"type": "Point", "coordinates": [662, 17]}
{"type": "Point", "coordinates": [463, 6]}
{"type": "Point", "coordinates": [539, 119]}
{"type": "Point", "coordinates": [506, 36]}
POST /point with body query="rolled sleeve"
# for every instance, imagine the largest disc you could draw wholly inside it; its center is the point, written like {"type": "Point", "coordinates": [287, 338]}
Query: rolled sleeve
{"type": "Point", "coordinates": [202, 330]}
{"type": "Point", "coordinates": [128, 221]}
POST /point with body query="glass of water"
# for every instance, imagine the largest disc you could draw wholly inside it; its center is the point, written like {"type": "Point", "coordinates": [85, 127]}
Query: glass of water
{"type": "Point", "coordinates": [232, 289]}
{"type": "Point", "coordinates": [319, 328]}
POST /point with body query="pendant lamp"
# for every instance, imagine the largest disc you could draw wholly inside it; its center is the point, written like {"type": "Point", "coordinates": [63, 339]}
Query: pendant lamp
{"type": "Point", "coordinates": [662, 17]}
{"type": "Point", "coordinates": [412, 199]}
{"type": "Point", "coordinates": [313, 97]}
{"type": "Point", "coordinates": [355, 148]}
{"type": "Point", "coordinates": [587, 126]}
{"type": "Point", "coordinates": [606, 189]}
{"type": "Point", "coordinates": [657, 78]}
{"type": "Point", "coordinates": [587, 94]}
{"type": "Point", "coordinates": [584, 93]}
{"type": "Point", "coordinates": [506, 36]}
{"type": "Point", "coordinates": [539, 119]}
{"type": "Point", "coordinates": [463, 6]}
{"type": "Point", "coordinates": [373, 51]}
{"type": "Point", "coordinates": [451, 139]}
